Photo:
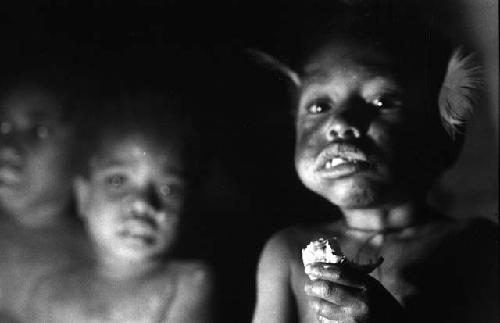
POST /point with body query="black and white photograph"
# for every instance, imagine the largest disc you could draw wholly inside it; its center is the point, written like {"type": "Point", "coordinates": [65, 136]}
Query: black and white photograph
{"type": "Point", "coordinates": [254, 161]}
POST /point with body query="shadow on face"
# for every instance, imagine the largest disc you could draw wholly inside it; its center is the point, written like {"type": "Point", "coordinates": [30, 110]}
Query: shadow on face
{"type": "Point", "coordinates": [133, 198]}
{"type": "Point", "coordinates": [360, 121]}
{"type": "Point", "coordinates": [34, 149]}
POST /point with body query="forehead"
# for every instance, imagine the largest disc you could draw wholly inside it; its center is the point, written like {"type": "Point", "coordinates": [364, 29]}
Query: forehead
{"type": "Point", "coordinates": [349, 60]}
{"type": "Point", "coordinates": [30, 103]}
{"type": "Point", "coordinates": [136, 149]}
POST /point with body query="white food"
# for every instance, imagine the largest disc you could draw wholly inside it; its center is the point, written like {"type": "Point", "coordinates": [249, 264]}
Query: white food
{"type": "Point", "coordinates": [321, 251]}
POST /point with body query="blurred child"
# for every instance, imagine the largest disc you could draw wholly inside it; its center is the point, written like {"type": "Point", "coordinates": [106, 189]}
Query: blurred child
{"type": "Point", "coordinates": [131, 199]}
{"type": "Point", "coordinates": [380, 111]}
{"type": "Point", "coordinates": [37, 231]}
{"type": "Point", "coordinates": [35, 172]}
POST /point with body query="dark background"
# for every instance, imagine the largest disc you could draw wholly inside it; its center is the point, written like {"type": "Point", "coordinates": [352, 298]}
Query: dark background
{"type": "Point", "coordinates": [242, 112]}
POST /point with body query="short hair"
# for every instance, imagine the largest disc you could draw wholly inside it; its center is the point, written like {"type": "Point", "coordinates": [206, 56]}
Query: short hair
{"type": "Point", "coordinates": [405, 31]}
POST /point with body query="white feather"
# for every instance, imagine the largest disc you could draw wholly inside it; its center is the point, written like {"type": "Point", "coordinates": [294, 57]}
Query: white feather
{"type": "Point", "coordinates": [273, 63]}
{"type": "Point", "coordinates": [458, 91]}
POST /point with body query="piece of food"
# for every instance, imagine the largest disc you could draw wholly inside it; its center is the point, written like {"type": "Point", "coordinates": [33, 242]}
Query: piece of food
{"type": "Point", "coordinates": [328, 251]}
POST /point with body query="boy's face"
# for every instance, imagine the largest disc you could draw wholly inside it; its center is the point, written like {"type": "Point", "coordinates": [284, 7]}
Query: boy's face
{"type": "Point", "coordinates": [34, 149]}
{"type": "Point", "coordinates": [133, 198]}
{"type": "Point", "coordinates": [354, 143]}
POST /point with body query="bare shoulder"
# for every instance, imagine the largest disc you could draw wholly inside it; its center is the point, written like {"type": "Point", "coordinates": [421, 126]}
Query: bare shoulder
{"type": "Point", "coordinates": [278, 261]}
{"type": "Point", "coordinates": [282, 252]}
{"type": "Point", "coordinates": [285, 243]}
{"type": "Point", "coordinates": [192, 302]}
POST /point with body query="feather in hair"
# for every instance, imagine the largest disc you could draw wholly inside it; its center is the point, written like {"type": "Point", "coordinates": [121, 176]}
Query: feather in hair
{"type": "Point", "coordinates": [458, 91]}
{"type": "Point", "coordinates": [274, 64]}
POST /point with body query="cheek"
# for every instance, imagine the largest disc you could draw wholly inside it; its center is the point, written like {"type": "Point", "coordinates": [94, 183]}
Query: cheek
{"type": "Point", "coordinates": [308, 141]}
{"type": "Point", "coordinates": [309, 129]}
{"type": "Point", "coordinates": [52, 158]}
{"type": "Point", "coordinates": [103, 208]}
{"type": "Point", "coordinates": [387, 138]}
{"type": "Point", "coordinates": [101, 220]}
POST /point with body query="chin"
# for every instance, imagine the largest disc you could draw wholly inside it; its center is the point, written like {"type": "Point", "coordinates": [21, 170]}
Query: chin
{"type": "Point", "coordinates": [353, 193]}
{"type": "Point", "coordinates": [138, 252]}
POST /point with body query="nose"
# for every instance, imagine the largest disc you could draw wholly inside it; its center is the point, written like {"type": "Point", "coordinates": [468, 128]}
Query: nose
{"type": "Point", "coordinates": [146, 200]}
{"type": "Point", "coordinates": [139, 207]}
{"type": "Point", "coordinates": [344, 132]}
{"type": "Point", "coordinates": [350, 120]}
{"type": "Point", "coordinates": [339, 128]}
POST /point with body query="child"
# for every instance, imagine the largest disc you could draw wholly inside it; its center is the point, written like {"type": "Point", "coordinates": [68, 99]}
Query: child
{"type": "Point", "coordinates": [34, 154]}
{"type": "Point", "coordinates": [37, 232]}
{"type": "Point", "coordinates": [131, 200]}
{"type": "Point", "coordinates": [378, 118]}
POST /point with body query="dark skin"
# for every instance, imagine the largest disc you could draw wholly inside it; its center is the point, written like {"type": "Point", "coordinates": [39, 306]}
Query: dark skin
{"type": "Point", "coordinates": [131, 205]}
{"type": "Point", "coordinates": [338, 293]}
{"type": "Point", "coordinates": [35, 148]}
{"type": "Point", "coordinates": [355, 145]}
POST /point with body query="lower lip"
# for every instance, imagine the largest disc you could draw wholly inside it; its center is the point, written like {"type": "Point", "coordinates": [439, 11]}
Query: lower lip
{"type": "Point", "coordinates": [343, 170]}
{"type": "Point", "coordinates": [9, 176]}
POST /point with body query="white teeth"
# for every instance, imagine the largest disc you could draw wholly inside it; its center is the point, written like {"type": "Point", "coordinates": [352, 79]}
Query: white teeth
{"type": "Point", "coordinates": [334, 162]}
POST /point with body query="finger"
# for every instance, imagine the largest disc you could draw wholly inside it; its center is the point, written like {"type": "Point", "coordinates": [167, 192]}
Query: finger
{"type": "Point", "coordinates": [335, 293]}
{"type": "Point", "coordinates": [321, 319]}
{"type": "Point", "coordinates": [325, 310]}
{"type": "Point", "coordinates": [333, 312]}
{"type": "Point", "coordinates": [338, 275]}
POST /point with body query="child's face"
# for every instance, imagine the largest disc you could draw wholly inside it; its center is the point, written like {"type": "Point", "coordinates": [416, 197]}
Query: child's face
{"type": "Point", "coordinates": [34, 150]}
{"type": "Point", "coordinates": [354, 142]}
{"type": "Point", "coordinates": [133, 198]}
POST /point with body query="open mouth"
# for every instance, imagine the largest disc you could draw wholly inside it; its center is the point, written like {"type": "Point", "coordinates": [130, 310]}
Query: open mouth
{"type": "Point", "coordinates": [9, 175]}
{"type": "Point", "coordinates": [141, 230]}
{"type": "Point", "coordinates": [338, 161]}
{"type": "Point", "coordinates": [341, 160]}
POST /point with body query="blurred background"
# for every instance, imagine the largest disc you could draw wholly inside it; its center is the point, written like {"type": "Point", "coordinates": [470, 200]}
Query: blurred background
{"type": "Point", "coordinates": [250, 189]}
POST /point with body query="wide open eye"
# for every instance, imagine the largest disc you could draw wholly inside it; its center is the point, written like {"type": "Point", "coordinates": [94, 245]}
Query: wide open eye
{"type": "Point", "coordinates": [165, 190]}
{"type": "Point", "coordinates": [318, 107]}
{"type": "Point", "coordinates": [115, 181]}
{"type": "Point", "coordinates": [386, 102]}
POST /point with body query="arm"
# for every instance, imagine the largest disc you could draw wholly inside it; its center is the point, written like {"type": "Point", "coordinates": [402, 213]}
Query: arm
{"type": "Point", "coordinates": [274, 298]}
{"type": "Point", "coordinates": [193, 303]}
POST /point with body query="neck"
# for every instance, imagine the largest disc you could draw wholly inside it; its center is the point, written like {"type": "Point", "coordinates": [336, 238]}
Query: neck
{"type": "Point", "coordinates": [384, 218]}
{"type": "Point", "coordinates": [115, 268]}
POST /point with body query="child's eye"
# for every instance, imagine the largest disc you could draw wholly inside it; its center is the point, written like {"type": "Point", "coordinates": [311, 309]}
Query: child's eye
{"type": "Point", "coordinates": [165, 190]}
{"type": "Point", "coordinates": [386, 103]}
{"type": "Point", "coordinates": [115, 181]}
{"type": "Point", "coordinates": [318, 107]}
{"type": "Point", "coordinates": [5, 127]}
{"type": "Point", "coordinates": [42, 132]}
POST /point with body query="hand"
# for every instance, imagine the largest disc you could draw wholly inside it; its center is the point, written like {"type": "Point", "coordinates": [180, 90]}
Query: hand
{"type": "Point", "coordinates": [339, 294]}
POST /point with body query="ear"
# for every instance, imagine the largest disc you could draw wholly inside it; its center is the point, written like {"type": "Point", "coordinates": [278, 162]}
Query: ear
{"type": "Point", "coordinates": [274, 64]}
{"type": "Point", "coordinates": [458, 92]}
{"type": "Point", "coordinates": [81, 189]}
